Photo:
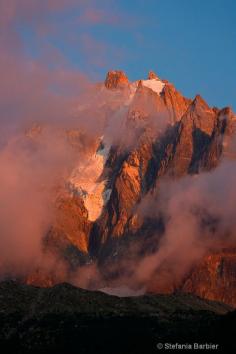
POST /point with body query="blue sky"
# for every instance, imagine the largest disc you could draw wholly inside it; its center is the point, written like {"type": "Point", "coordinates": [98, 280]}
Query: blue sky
{"type": "Point", "coordinates": [191, 43]}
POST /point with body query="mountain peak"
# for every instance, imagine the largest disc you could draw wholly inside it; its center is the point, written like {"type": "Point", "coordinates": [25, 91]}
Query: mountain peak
{"type": "Point", "coordinates": [152, 75]}
{"type": "Point", "coordinates": [116, 78]}
{"type": "Point", "coordinates": [199, 101]}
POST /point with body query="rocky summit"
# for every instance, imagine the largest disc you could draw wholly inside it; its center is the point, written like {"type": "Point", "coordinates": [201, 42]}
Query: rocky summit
{"type": "Point", "coordinates": [111, 213]}
{"type": "Point", "coordinates": [116, 79]}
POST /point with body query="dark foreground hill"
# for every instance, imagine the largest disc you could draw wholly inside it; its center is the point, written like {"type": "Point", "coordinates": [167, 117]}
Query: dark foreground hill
{"type": "Point", "coordinates": [66, 319]}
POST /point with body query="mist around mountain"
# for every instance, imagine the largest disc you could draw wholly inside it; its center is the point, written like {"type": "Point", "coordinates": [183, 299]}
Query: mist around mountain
{"type": "Point", "coordinates": [134, 191]}
{"type": "Point", "coordinates": [117, 195]}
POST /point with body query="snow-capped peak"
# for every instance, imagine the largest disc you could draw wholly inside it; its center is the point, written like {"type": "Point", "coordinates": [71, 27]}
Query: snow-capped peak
{"type": "Point", "coordinates": [155, 85]}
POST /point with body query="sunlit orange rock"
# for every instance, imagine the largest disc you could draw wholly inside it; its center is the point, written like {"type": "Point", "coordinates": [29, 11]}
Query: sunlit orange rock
{"type": "Point", "coordinates": [165, 135]}
{"type": "Point", "coordinates": [115, 79]}
{"type": "Point", "coordinates": [214, 277]}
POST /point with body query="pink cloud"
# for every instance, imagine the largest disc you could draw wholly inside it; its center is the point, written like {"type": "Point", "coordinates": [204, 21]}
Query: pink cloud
{"type": "Point", "coordinates": [98, 16]}
{"type": "Point", "coordinates": [30, 10]}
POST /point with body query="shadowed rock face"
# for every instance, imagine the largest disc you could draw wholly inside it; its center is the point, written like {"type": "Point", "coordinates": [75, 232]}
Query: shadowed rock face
{"type": "Point", "coordinates": [194, 138]}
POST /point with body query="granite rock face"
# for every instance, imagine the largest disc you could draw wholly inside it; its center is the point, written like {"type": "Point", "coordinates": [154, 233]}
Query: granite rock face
{"type": "Point", "coordinates": [169, 137]}
{"type": "Point", "coordinates": [115, 79]}
{"type": "Point", "coordinates": [214, 277]}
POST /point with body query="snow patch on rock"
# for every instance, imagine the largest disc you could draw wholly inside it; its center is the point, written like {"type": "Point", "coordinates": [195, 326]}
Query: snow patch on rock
{"type": "Point", "coordinates": [86, 182]}
{"type": "Point", "coordinates": [154, 84]}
